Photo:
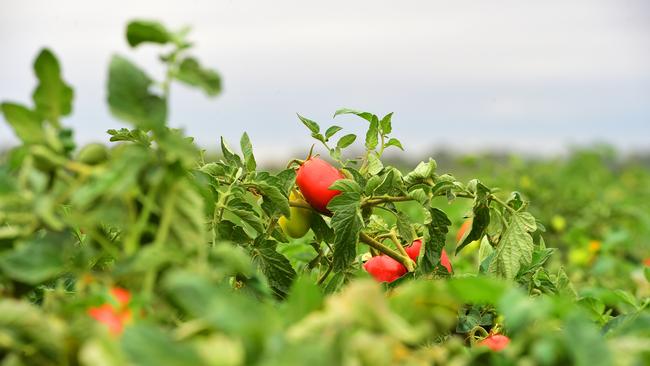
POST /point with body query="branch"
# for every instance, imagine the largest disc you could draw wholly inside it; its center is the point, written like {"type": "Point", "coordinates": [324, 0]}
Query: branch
{"type": "Point", "coordinates": [404, 260]}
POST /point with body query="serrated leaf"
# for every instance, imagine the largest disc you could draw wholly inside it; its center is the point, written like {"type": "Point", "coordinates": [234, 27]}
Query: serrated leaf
{"type": "Point", "coordinates": [394, 142]}
{"type": "Point", "coordinates": [372, 135]}
{"type": "Point", "coordinates": [229, 155]}
{"type": "Point", "coordinates": [372, 184]}
{"type": "Point", "coordinates": [141, 31]}
{"type": "Point", "coordinates": [386, 126]}
{"type": "Point", "coordinates": [311, 125]}
{"type": "Point", "coordinates": [437, 229]}
{"type": "Point", "coordinates": [26, 123]}
{"type": "Point", "coordinates": [191, 73]}
{"type": "Point", "coordinates": [274, 200]}
{"type": "Point", "coordinates": [421, 172]}
{"type": "Point", "coordinates": [515, 247]}
{"type": "Point", "coordinates": [129, 96]}
{"type": "Point", "coordinates": [346, 141]}
{"type": "Point", "coordinates": [52, 97]}
{"type": "Point", "coordinates": [346, 185]}
{"type": "Point", "coordinates": [275, 267]}
{"type": "Point", "coordinates": [332, 131]}
{"type": "Point", "coordinates": [321, 230]}
{"type": "Point", "coordinates": [374, 164]}
{"type": "Point", "coordinates": [346, 223]}
{"type": "Point", "coordinates": [365, 115]}
{"type": "Point", "coordinates": [404, 227]}
{"type": "Point", "coordinates": [247, 150]}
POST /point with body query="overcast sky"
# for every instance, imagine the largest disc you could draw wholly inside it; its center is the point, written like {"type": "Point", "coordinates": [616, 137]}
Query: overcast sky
{"type": "Point", "coordinates": [531, 76]}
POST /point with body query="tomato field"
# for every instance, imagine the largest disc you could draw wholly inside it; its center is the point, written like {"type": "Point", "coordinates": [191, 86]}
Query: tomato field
{"type": "Point", "coordinates": [150, 250]}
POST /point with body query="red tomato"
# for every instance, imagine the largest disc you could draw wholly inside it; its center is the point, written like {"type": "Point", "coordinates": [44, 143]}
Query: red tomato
{"type": "Point", "coordinates": [121, 295]}
{"type": "Point", "coordinates": [496, 342]}
{"type": "Point", "coordinates": [107, 315]}
{"type": "Point", "coordinates": [384, 268]}
{"type": "Point", "coordinates": [414, 252]}
{"type": "Point", "coordinates": [314, 177]}
{"type": "Point", "coordinates": [467, 225]}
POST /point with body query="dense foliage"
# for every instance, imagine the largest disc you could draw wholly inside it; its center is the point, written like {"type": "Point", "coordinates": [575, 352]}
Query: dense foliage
{"type": "Point", "coordinates": [146, 253]}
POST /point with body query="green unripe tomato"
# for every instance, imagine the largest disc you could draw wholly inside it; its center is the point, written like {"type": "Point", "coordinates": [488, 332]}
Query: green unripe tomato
{"type": "Point", "coordinates": [558, 223]}
{"type": "Point", "coordinates": [298, 224]}
{"type": "Point", "coordinates": [93, 154]}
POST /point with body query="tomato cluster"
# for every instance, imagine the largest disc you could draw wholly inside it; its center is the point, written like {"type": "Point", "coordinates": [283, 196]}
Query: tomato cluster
{"type": "Point", "coordinates": [386, 269]}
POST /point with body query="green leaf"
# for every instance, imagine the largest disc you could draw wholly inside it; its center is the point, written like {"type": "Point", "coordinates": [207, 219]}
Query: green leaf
{"type": "Point", "coordinates": [39, 259]}
{"type": "Point", "coordinates": [481, 218]}
{"type": "Point", "coordinates": [515, 247]}
{"type": "Point", "coordinates": [191, 73]}
{"type": "Point", "coordinates": [274, 200]}
{"type": "Point", "coordinates": [275, 267]}
{"type": "Point", "coordinates": [26, 124]}
{"type": "Point", "coordinates": [386, 125]}
{"type": "Point", "coordinates": [321, 230]}
{"type": "Point", "coordinates": [421, 172]}
{"type": "Point", "coordinates": [149, 345]}
{"type": "Point", "coordinates": [438, 229]}
{"type": "Point", "coordinates": [141, 31]}
{"type": "Point", "coordinates": [229, 155]}
{"type": "Point", "coordinates": [52, 97]}
{"type": "Point", "coordinates": [331, 131]}
{"type": "Point", "coordinates": [247, 150]}
{"type": "Point", "coordinates": [305, 297]}
{"type": "Point", "coordinates": [372, 136]}
{"type": "Point", "coordinates": [346, 141]}
{"type": "Point", "coordinates": [374, 164]}
{"type": "Point", "coordinates": [346, 223]}
{"type": "Point", "coordinates": [129, 96]}
{"type": "Point", "coordinates": [485, 255]}
{"type": "Point", "coordinates": [404, 227]}
{"type": "Point", "coordinates": [311, 125]}
{"type": "Point", "coordinates": [477, 290]}
{"type": "Point", "coordinates": [365, 115]}
{"type": "Point", "coordinates": [394, 142]}
{"type": "Point", "coordinates": [346, 185]}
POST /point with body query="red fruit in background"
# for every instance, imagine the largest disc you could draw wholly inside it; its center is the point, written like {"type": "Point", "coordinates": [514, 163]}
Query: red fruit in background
{"type": "Point", "coordinates": [112, 318]}
{"type": "Point", "coordinates": [467, 225]}
{"type": "Point", "coordinates": [314, 177]}
{"type": "Point", "coordinates": [414, 252]}
{"type": "Point", "coordinates": [495, 342]}
{"type": "Point", "coordinates": [646, 262]}
{"type": "Point", "coordinates": [121, 295]}
{"type": "Point", "coordinates": [444, 260]}
{"type": "Point", "coordinates": [384, 268]}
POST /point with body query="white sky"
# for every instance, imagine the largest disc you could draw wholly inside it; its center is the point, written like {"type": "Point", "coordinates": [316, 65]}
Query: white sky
{"type": "Point", "coordinates": [523, 75]}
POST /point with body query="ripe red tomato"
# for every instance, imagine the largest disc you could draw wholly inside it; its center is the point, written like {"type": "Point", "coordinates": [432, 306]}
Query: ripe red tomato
{"type": "Point", "coordinates": [496, 342]}
{"type": "Point", "coordinates": [384, 268]}
{"type": "Point", "coordinates": [467, 225]}
{"type": "Point", "coordinates": [414, 252]}
{"type": "Point", "coordinates": [314, 177]}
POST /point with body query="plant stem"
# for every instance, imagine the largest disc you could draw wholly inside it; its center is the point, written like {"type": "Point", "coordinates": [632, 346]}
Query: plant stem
{"type": "Point", "coordinates": [399, 246]}
{"type": "Point", "coordinates": [404, 260]}
{"type": "Point", "coordinates": [383, 199]}
{"type": "Point", "coordinates": [505, 205]}
{"type": "Point", "coordinates": [324, 276]}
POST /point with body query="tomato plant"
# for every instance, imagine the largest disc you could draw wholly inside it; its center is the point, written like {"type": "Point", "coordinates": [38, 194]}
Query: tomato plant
{"type": "Point", "coordinates": [148, 252]}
